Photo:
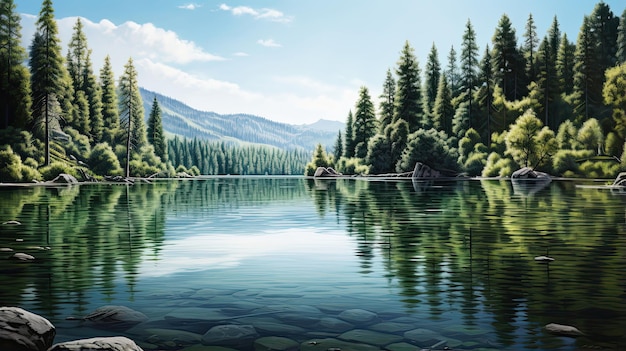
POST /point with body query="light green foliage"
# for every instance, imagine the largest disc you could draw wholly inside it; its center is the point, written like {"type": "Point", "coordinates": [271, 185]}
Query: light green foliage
{"type": "Point", "coordinates": [78, 145]}
{"type": "Point", "coordinates": [497, 166]}
{"type": "Point", "coordinates": [443, 110]}
{"type": "Point", "coordinates": [55, 168]}
{"type": "Point", "coordinates": [320, 159]}
{"type": "Point", "coordinates": [565, 162]}
{"type": "Point", "coordinates": [472, 153]}
{"type": "Point", "coordinates": [429, 147]}
{"type": "Point", "coordinates": [103, 161]}
{"type": "Point", "coordinates": [529, 143]}
{"type": "Point", "coordinates": [110, 116]}
{"type": "Point", "coordinates": [566, 136]}
{"type": "Point", "coordinates": [10, 166]}
{"type": "Point", "coordinates": [614, 93]}
{"type": "Point", "coordinates": [590, 135]}
{"type": "Point", "coordinates": [351, 166]}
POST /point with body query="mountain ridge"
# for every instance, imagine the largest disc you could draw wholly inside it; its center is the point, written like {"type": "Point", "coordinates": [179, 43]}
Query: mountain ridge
{"type": "Point", "coordinates": [179, 119]}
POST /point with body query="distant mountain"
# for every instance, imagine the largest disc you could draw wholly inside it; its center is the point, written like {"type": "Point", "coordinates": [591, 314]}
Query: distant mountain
{"type": "Point", "coordinates": [184, 121]}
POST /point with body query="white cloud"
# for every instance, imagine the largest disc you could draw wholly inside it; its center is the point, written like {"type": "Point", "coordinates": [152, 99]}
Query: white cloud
{"type": "Point", "coordinates": [263, 13]}
{"type": "Point", "coordinates": [189, 6]}
{"type": "Point", "coordinates": [270, 43]}
{"type": "Point", "coordinates": [241, 54]}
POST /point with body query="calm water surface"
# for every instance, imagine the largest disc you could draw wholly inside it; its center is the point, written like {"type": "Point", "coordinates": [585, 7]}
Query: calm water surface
{"type": "Point", "coordinates": [444, 264]}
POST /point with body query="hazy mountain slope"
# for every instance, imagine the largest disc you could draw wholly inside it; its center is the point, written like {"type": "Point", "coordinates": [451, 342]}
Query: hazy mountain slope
{"type": "Point", "coordinates": [182, 120]}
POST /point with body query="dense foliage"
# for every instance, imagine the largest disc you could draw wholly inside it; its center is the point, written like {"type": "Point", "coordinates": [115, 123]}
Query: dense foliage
{"type": "Point", "coordinates": [544, 103]}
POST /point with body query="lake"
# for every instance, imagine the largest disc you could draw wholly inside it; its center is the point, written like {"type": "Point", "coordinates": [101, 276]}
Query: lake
{"type": "Point", "coordinates": [324, 264]}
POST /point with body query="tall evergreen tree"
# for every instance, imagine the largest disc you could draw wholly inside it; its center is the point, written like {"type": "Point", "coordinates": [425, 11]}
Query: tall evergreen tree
{"type": "Point", "coordinates": [554, 37]}
{"type": "Point", "coordinates": [338, 152]}
{"type": "Point", "coordinates": [131, 111]}
{"type": "Point", "coordinates": [603, 25]}
{"type": "Point", "coordinates": [547, 82]}
{"type": "Point", "coordinates": [110, 112]}
{"type": "Point", "coordinates": [531, 41]}
{"type": "Point", "coordinates": [565, 65]}
{"type": "Point", "coordinates": [469, 66]}
{"type": "Point", "coordinates": [408, 101]}
{"type": "Point", "coordinates": [15, 91]}
{"type": "Point", "coordinates": [49, 81]}
{"type": "Point", "coordinates": [587, 75]}
{"type": "Point", "coordinates": [350, 145]}
{"type": "Point", "coordinates": [94, 98]}
{"type": "Point", "coordinates": [432, 72]}
{"type": "Point", "coordinates": [364, 122]}
{"type": "Point", "coordinates": [620, 54]}
{"type": "Point", "coordinates": [387, 98]}
{"type": "Point", "coordinates": [443, 111]}
{"type": "Point", "coordinates": [506, 59]}
{"type": "Point", "coordinates": [452, 72]}
{"type": "Point", "coordinates": [156, 137]}
{"type": "Point", "coordinates": [484, 98]}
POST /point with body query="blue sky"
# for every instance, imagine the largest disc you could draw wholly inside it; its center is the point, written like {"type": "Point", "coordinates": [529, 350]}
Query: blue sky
{"type": "Point", "coordinates": [292, 61]}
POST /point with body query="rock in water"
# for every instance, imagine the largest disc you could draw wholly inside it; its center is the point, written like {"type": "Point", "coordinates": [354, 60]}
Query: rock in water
{"type": "Point", "coordinates": [64, 178]}
{"type": "Point", "coordinates": [21, 330]}
{"type": "Point", "coordinates": [12, 222]}
{"type": "Point", "coordinates": [115, 317]}
{"type": "Point", "coordinates": [564, 330]}
{"type": "Point", "coordinates": [229, 335]}
{"type": "Point", "coordinates": [20, 256]}
{"type": "Point", "coordinates": [116, 343]}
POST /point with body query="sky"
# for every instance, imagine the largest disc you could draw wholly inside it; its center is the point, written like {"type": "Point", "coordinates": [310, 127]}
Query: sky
{"type": "Point", "coordinates": [291, 61]}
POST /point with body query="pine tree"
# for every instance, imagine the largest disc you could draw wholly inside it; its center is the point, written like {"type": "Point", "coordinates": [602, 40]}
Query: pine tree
{"type": "Point", "coordinates": [603, 25]}
{"type": "Point", "coordinates": [94, 98]}
{"type": "Point", "coordinates": [443, 111]}
{"type": "Point", "coordinates": [387, 98]}
{"type": "Point", "coordinates": [587, 75]}
{"type": "Point", "coordinates": [620, 53]}
{"type": "Point", "coordinates": [348, 150]}
{"type": "Point", "coordinates": [565, 65]}
{"type": "Point", "coordinates": [506, 59]}
{"type": "Point", "coordinates": [530, 47]}
{"type": "Point", "coordinates": [432, 73]}
{"type": "Point", "coordinates": [484, 98]}
{"type": "Point", "coordinates": [469, 65]}
{"type": "Point", "coordinates": [110, 112]}
{"type": "Point", "coordinates": [15, 104]}
{"type": "Point", "coordinates": [156, 137]}
{"type": "Point", "coordinates": [408, 101]}
{"type": "Point", "coordinates": [49, 81]}
{"type": "Point", "coordinates": [452, 72]}
{"type": "Point", "coordinates": [338, 152]}
{"type": "Point", "coordinates": [131, 111]}
{"type": "Point", "coordinates": [365, 123]}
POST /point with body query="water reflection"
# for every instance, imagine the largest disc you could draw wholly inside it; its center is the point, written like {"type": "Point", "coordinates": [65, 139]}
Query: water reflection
{"type": "Point", "coordinates": [453, 252]}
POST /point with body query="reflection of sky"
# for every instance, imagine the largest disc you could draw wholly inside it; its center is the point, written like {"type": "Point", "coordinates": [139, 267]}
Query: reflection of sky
{"type": "Point", "coordinates": [207, 251]}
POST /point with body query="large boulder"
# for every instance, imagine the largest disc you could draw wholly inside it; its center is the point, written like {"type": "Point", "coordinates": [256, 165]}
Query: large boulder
{"type": "Point", "coordinates": [21, 330]}
{"type": "Point", "coordinates": [529, 173]}
{"type": "Point", "coordinates": [326, 172]}
{"type": "Point", "coordinates": [422, 170]}
{"type": "Point", "coordinates": [115, 343]}
{"type": "Point", "coordinates": [563, 330]}
{"type": "Point", "coordinates": [64, 178]}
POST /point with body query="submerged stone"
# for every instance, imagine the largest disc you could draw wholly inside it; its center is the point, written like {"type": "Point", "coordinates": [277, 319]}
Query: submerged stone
{"type": "Point", "coordinates": [229, 335]}
{"type": "Point", "coordinates": [115, 317]}
{"type": "Point", "coordinates": [391, 327]}
{"type": "Point", "coordinates": [422, 335]}
{"type": "Point", "coordinates": [275, 343]}
{"type": "Point", "coordinates": [358, 316]}
{"type": "Point", "coordinates": [402, 346]}
{"type": "Point", "coordinates": [335, 344]}
{"type": "Point", "coordinates": [370, 337]}
{"type": "Point", "coordinates": [329, 324]}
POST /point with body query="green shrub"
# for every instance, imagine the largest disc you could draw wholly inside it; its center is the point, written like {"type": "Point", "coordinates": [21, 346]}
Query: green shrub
{"type": "Point", "coordinates": [30, 174]}
{"type": "Point", "coordinates": [10, 166]}
{"type": "Point", "coordinates": [55, 168]}
{"type": "Point", "coordinates": [102, 161]}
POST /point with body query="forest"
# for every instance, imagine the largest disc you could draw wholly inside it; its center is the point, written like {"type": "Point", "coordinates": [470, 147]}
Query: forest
{"type": "Point", "coordinates": [548, 103]}
{"type": "Point", "coordinates": [59, 117]}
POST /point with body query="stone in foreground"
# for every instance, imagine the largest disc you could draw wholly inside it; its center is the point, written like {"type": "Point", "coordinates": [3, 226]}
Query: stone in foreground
{"type": "Point", "coordinates": [21, 330]}
{"type": "Point", "coordinates": [116, 343]}
{"type": "Point", "coordinates": [115, 317]}
{"type": "Point", "coordinates": [563, 330]}
{"type": "Point", "coordinates": [229, 335]}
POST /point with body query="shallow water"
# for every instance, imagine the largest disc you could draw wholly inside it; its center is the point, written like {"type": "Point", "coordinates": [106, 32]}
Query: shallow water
{"type": "Point", "coordinates": [438, 264]}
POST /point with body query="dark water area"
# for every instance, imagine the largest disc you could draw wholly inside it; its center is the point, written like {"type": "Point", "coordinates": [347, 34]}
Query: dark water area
{"type": "Point", "coordinates": [346, 263]}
